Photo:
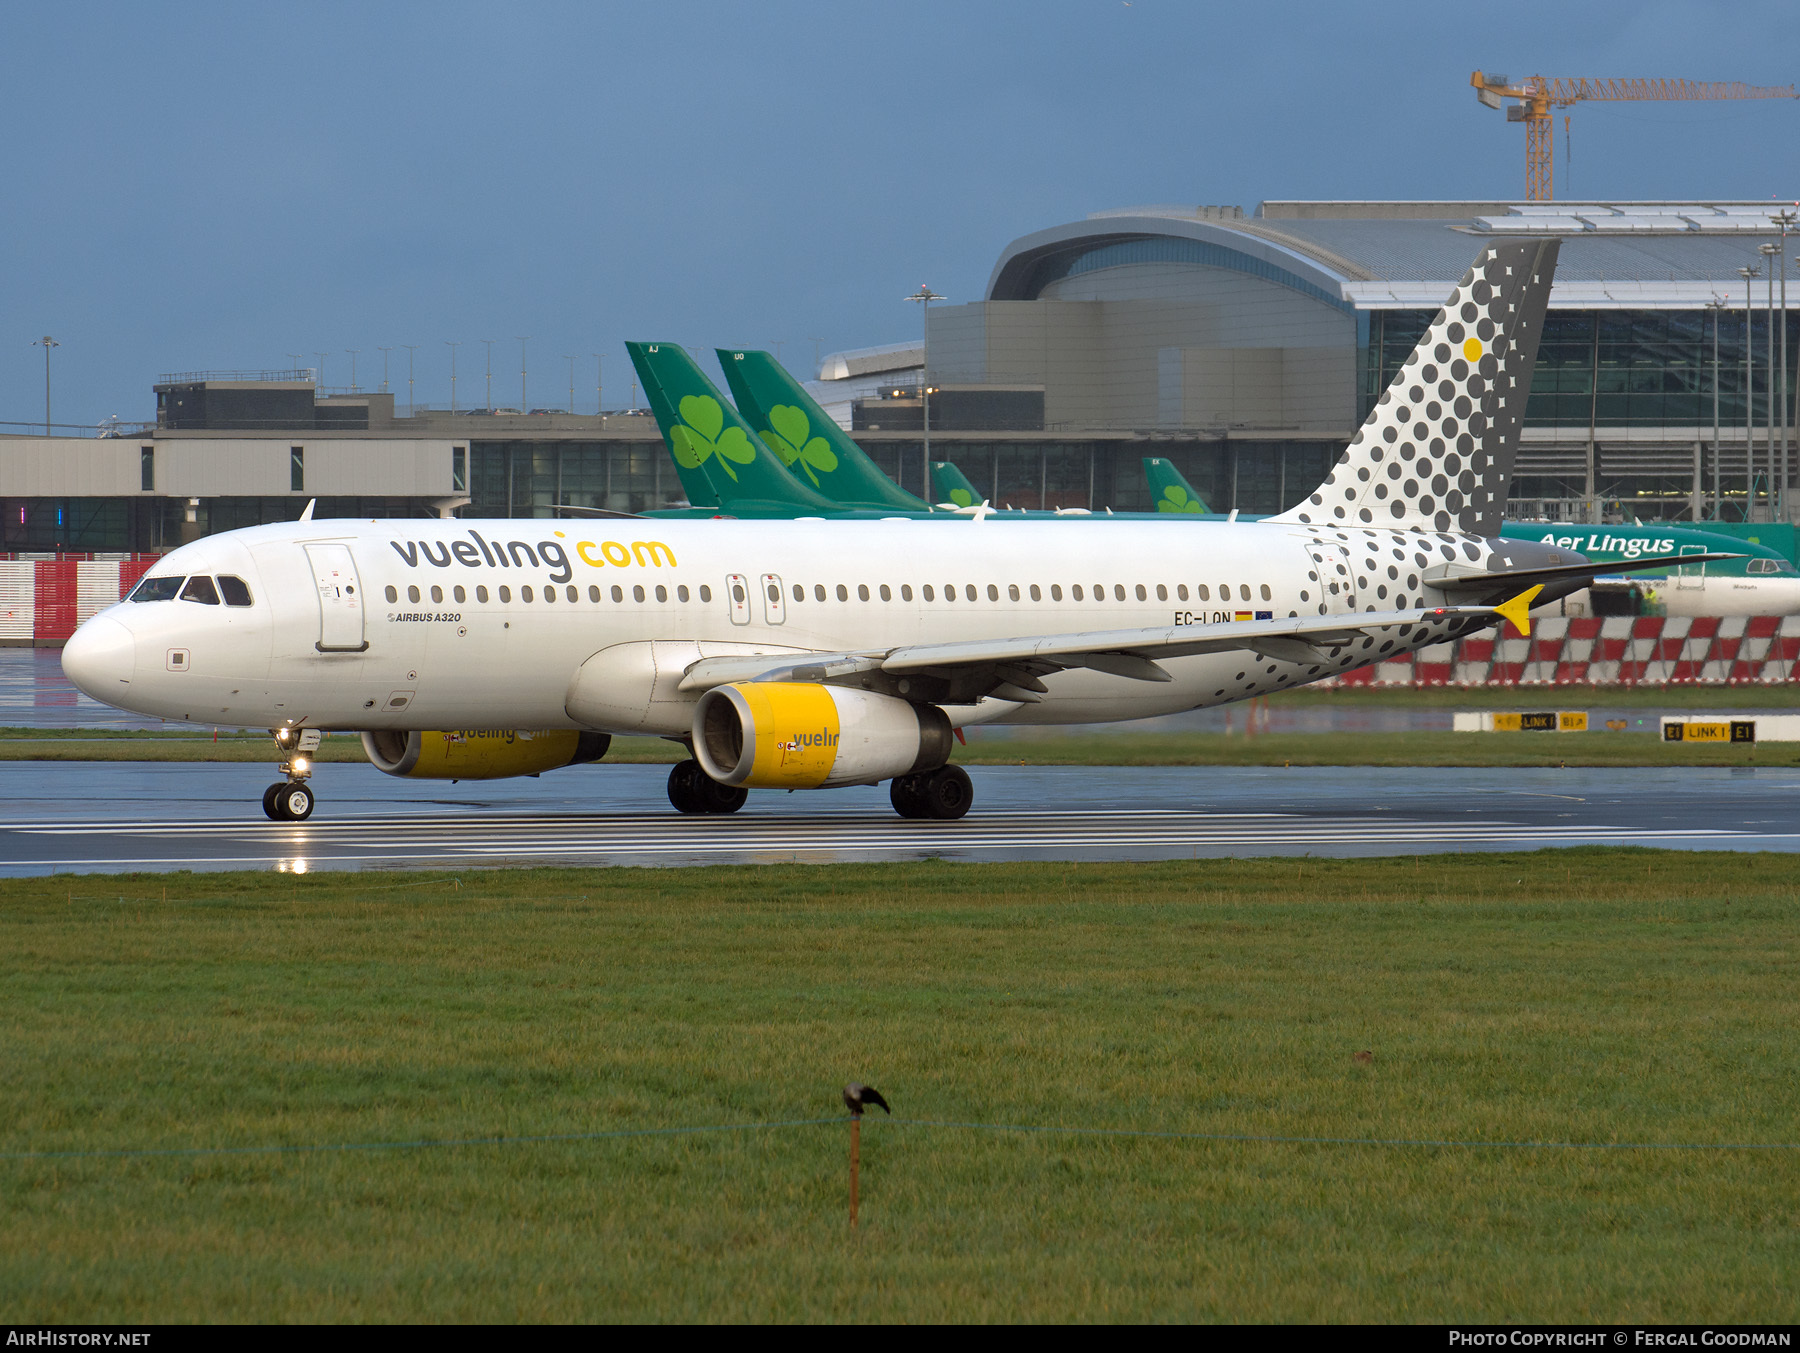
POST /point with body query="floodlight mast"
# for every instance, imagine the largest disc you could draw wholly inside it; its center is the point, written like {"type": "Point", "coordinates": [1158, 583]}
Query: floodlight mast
{"type": "Point", "coordinates": [46, 343]}
{"type": "Point", "coordinates": [925, 296]}
{"type": "Point", "coordinates": [1536, 95]}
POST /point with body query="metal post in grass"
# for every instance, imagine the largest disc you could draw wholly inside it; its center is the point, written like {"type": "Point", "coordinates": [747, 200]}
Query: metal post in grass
{"type": "Point", "coordinates": [856, 1098]}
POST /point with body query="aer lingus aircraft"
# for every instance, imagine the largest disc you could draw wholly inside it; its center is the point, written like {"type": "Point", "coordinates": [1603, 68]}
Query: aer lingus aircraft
{"type": "Point", "coordinates": [777, 453]}
{"type": "Point", "coordinates": [1753, 580]}
{"type": "Point", "coordinates": [811, 654]}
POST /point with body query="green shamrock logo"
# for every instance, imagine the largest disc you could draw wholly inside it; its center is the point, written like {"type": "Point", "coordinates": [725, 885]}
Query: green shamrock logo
{"type": "Point", "coordinates": [962, 497]}
{"type": "Point", "coordinates": [698, 436]}
{"type": "Point", "coordinates": [790, 437]}
{"type": "Point", "coordinates": [1177, 499]}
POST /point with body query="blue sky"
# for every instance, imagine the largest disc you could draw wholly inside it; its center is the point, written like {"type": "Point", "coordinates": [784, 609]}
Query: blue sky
{"type": "Point", "coordinates": [216, 186]}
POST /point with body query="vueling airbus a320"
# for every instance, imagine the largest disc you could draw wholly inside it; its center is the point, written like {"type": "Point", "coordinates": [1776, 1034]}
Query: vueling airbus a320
{"type": "Point", "coordinates": [805, 655]}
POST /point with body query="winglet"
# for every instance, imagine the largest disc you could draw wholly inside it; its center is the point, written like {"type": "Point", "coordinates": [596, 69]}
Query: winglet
{"type": "Point", "coordinates": [307, 514]}
{"type": "Point", "coordinates": [1518, 610]}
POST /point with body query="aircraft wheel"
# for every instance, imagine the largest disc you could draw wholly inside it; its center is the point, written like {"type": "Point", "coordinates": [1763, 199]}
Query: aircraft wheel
{"type": "Point", "coordinates": [269, 794]}
{"type": "Point", "coordinates": [720, 798]}
{"type": "Point", "coordinates": [905, 792]}
{"type": "Point", "coordinates": [946, 793]}
{"type": "Point", "coordinates": [293, 802]}
{"type": "Point", "coordinates": [684, 787]}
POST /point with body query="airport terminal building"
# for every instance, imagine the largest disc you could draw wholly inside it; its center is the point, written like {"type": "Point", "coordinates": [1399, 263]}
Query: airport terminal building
{"type": "Point", "coordinates": [1247, 348]}
{"type": "Point", "coordinates": [1244, 347]}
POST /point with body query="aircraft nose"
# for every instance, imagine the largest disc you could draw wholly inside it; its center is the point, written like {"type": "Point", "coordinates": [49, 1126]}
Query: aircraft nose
{"type": "Point", "coordinates": [99, 657]}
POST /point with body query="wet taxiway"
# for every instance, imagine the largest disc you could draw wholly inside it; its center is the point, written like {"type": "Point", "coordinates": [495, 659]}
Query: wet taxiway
{"type": "Point", "coordinates": [109, 816]}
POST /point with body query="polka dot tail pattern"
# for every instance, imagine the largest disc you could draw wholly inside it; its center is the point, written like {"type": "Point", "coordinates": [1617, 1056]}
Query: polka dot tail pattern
{"type": "Point", "coordinates": [1437, 451]}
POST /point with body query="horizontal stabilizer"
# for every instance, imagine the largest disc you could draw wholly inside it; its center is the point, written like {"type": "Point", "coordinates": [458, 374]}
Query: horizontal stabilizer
{"type": "Point", "coordinates": [1455, 578]}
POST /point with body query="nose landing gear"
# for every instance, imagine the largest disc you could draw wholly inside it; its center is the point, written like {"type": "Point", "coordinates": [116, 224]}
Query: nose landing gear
{"type": "Point", "coordinates": [291, 800]}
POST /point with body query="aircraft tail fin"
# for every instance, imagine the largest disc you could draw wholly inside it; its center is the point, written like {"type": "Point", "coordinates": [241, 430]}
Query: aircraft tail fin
{"type": "Point", "coordinates": [1169, 488]}
{"type": "Point", "coordinates": [1436, 452]}
{"type": "Point", "coordinates": [816, 451]}
{"type": "Point", "coordinates": [951, 485]}
{"type": "Point", "coordinates": [708, 440]}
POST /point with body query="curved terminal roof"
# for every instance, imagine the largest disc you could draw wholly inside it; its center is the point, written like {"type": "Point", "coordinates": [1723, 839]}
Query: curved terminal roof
{"type": "Point", "coordinates": [1388, 255]}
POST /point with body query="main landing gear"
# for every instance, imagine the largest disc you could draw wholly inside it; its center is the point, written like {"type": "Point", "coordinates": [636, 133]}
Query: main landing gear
{"type": "Point", "coordinates": [291, 800]}
{"type": "Point", "coordinates": [692, 790]}
{"type": "Point", "coordinates": [943, 794]}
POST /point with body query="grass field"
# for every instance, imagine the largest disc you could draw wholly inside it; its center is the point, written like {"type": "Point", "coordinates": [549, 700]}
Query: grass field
{"type": "Point", "coordinates": [1596, 995]}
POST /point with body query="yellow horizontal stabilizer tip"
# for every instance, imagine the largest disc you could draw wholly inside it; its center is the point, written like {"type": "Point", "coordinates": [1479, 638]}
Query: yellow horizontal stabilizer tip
{"type": "Point", "coordinates": [1518, 610]}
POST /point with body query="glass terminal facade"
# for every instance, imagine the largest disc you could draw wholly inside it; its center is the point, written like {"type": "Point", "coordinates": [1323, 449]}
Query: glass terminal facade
{"type": "Point", "coordinates": [1608, 371]}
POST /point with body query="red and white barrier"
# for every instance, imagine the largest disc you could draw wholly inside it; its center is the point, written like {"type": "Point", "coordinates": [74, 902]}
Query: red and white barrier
{"type": "Point", "coordinates": [1607, 651]}
{"type": "Point", "coordinates": [43, 600]}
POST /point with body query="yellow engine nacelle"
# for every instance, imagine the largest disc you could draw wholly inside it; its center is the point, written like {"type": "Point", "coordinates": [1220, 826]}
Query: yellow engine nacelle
{"type": "Point", "coordinates": [480, 754]}
{"type": "Point", "coordinates": [800, 735]}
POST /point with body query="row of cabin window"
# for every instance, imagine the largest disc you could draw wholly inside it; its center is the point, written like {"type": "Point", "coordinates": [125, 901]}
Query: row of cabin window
{"type": "Point", "coordinates": [460, 594]}
{"type": "Point", "coordinates": [1202, 592]}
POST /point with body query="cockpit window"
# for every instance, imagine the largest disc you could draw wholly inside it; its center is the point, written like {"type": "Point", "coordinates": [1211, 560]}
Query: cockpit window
{"type": "Point", "coordinates": [1769, 566]}
{"type": "Point", "coordinates": [200, 588]}
{"type": "Point", "coordinates": [236, 590]}
{"type": "Point", "coordinates": [157, 589]}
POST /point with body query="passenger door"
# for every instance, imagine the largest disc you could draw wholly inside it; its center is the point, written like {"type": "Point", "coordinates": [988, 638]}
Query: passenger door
{"type": "Point", "coordinates": [774, 604]}
{"type": "Point", "coordinates": [1336, 582]}
{"type": "Point", "coordinates": [340, 598]}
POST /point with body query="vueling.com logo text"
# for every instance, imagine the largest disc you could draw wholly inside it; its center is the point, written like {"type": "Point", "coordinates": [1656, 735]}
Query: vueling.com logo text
{"type": "Point", "coordinates": [476, 552]}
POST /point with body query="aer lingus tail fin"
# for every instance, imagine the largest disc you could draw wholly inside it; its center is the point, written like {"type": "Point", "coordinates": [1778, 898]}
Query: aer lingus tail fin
{"type": "Point", "coordinates": [707, 438]}
{"type": "Point", "coordinates": [952, 486]}
{"type": "Point", "coordinates": [1437, 452]}
{"type": "Point", "coordinates": [814, 448]}
{"type": "Point", "coordinates": [1169, 489]}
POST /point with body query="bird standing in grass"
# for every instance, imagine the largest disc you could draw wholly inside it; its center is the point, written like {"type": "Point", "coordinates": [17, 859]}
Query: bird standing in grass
{"type": "Point", "coordinates": [858, 1097]}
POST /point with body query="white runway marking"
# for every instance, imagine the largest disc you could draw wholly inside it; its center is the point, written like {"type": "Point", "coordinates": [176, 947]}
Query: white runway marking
{"type": "Point", "coordinates": [447, 839]}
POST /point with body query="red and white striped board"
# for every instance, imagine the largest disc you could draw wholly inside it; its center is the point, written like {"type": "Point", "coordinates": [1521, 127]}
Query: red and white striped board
{"type": "Point", "coordinates": [43, 599]}
{"type": "Point", "coordinates": [1607, 651]}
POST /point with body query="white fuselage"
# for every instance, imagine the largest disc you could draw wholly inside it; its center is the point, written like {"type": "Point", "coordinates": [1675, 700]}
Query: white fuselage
{"type": "Point", "coordinates": [447, 624]}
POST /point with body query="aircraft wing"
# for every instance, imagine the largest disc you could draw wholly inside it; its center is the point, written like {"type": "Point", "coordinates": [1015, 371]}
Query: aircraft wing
{"type": "Point", "coordinates": [1009, 668]}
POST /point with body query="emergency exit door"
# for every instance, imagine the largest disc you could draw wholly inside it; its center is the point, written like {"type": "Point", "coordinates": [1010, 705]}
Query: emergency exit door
{"type": "Point", "coordinates": [340, 599]}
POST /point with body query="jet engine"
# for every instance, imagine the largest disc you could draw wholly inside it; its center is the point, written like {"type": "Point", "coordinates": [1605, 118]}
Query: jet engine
{"type": "Point", "coordinates": [802, 735]}
{"type": "Point", "coordinates": [480, 754]}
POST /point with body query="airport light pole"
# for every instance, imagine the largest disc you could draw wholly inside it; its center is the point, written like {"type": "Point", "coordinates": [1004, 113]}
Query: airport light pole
{"type": "Point", "coordinates": [453, 347]}
{"type": "Point", "coordinates": [524, 402]}
{"type": "Point", "coordinates": [1785, 218]}
{"type": "Point", "coordinates": [925, 296]}
{"type": "Point", "coordinates": [384, 366]}
{"type": "Point", "coordinates": [599, 387]}
{"type": "Point", "coordinates": [352, 352]}
{"type": "Point", "coordinates": [1769, 251]}
{"type": "Point", "coordinates": [1717, 306]}
{"type": "Point", "coordinates": [489, 342]}
{"type": "Point", "coordinates": [410, 349]}
{"type": "Point", "coordinates": [296, 358]}
{"type": "Point", "coordinates": [571, 361]}
{"type": "Point", "coordinates": [46, 343]}
{"type": "Point", "coordinates": [319, 375]}
{"type": "Point", "coordinates": [1749, 275]}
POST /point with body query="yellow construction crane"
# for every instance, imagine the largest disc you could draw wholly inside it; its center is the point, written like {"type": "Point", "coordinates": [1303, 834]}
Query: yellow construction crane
{"type": "Point", "coordinates": [1535, 96]}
